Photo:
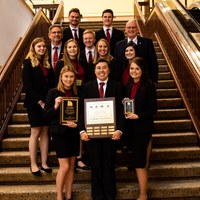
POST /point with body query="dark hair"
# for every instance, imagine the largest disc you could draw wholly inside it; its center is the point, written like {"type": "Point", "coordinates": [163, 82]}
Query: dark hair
{"type": "Point", "coordinates": [108, 11]}
{"type": "Point", "coordinates": [131, 45]}
{"type": "Point", "coordinates": [102, 60]}
{"type": "Point", "coordinates": [76, 10]}
{"type": "Point", "coordinates": [142, 64]}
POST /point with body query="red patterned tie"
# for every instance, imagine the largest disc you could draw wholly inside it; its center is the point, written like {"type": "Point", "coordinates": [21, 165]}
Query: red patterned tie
{"type": "Point", "coordinates": [75, 34]}
{"type": "Point", "coordinates": [90, 57]}
{"type": "Point", "coordinates": [101, 90]}
{"type": "Point", "coordinates": [108, 34]}
{"type": "Point", "coordinates": [55, 57]}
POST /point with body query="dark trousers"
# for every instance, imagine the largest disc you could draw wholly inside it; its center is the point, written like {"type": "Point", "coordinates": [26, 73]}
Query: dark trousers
{"type": "Point", "coordinates": [102, 154]}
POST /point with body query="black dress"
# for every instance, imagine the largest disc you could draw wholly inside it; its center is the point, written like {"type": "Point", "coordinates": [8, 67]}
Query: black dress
{"type": "Point", "coordinates": [66, 140]}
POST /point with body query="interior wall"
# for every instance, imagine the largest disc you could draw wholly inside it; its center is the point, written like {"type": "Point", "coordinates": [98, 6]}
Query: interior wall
{"type": "Point", "coordinates": [13, 25]}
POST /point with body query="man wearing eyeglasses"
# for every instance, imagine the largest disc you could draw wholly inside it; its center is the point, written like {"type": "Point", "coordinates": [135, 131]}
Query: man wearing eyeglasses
{"type": "Point", "coordinates": [55, 36]}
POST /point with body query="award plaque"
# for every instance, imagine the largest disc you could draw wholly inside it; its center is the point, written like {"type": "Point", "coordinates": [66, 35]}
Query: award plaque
{"type": "Point", "coordinates": [69, 109]}
{"type": "Point", "coordinates": [129, 106]}
{"type": "Point", "coordinates": [100, 117]}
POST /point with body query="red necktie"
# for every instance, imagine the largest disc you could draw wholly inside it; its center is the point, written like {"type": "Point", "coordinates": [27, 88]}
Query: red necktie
{"type": "Point", "coordinates": [101, 90]}
{"type": "Point", "coordinates": [90, 57]}
{"type": "Point", "coordinates": [108, 34]}
{"type": "Point", "coordinates": [75, 34]}
{"type": "Point", "coordinates": [55, 57]}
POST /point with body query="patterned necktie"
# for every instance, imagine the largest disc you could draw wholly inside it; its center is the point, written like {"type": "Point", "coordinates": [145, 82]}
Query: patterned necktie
{"type": "Point", "coordinates": [55, 57]}
{"type": "Point", "coordinates": [90, 57]}
{"type": "Point", "coordinates": [101, 90]}
{"type": "Point", "coordinates": [108, 34]}
{"type": "Point", "coordinates": [75, 34]}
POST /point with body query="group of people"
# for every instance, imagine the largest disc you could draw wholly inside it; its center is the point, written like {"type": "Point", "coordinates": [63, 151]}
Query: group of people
{"type": "Point", "coordinates": [75, 64]}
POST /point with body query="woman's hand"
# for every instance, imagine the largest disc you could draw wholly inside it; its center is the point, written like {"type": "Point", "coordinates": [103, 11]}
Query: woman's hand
{"type": "Point", "coordinates": [70, 124]}
{"type": "Point", "coordinates": [125, 99]}
{"type": "Point", "coordinates": [131, 116]}
{"type": "Point", "coordinates": [58, 101]}
{"type": "Point", "coordinates": [84, 136]}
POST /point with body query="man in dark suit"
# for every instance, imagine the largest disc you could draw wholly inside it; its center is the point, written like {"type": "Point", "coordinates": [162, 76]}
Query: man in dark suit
{"type": "Point", "coordinates": [144, 49]}
{"type": "Point", "coordinates": [114, 35]}
{"type": "Point", "coordinates": [102, 152]}
{"type": "Point", "coordinates": [87, 54]}
{"type": "Point", "coordinates": [55, 35]}
{"type": "Point", "coordinates": [74, 31]}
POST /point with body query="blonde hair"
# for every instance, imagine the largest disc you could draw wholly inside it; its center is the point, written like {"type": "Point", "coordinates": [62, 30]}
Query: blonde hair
{"type": "Point", "coordinates": [108, 57]}
{"type": "Point", "coordinates": [89, 31]}
{"type": "Point", "coordinates": [66, 58]}
{"type": "Point", "coordinates": [60, 86]}
{"type": "Point", "coordinates": [33, 56]}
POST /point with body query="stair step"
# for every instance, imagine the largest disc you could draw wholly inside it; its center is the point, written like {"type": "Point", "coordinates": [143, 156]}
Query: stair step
{"type": "Point", "coordinates": [167, 93]}
{"type": "Point", "coordinates": [162, 61]}
{"type": "Point", "coordinates": [23, 175]}
{"type": "Point", "coordinates": [174, 139]}
{"type": "Point", "coordinates": [159, 55]}
{"type": "Point", "coordinates": [159, 139]}
{"type": "Point", "coordinates": [170, 103]}
{"type": "Point", "coordinates": [164, 189]}
{"type": "Point", "coordinates": [158, 154]}
{"type": "Point", "coordinates": [165, 113]}
{"type": "Point", "coordinates": [164, 76]}
{"type": "Point", "coordinates": [171, 114]}
{"type": "Point", "coordinates": [167, 84]}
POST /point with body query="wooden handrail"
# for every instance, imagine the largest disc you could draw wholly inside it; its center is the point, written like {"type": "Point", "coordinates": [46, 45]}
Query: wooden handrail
{"type": "Point", "coordinates": [182, 67]}
{"type": "Point", "coordinates": [59, 15]}
{"type": "Point", "coordinates": [11, 74]}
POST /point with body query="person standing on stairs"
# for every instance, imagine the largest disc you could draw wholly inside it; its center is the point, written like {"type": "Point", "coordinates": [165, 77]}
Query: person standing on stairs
{"type": "Point", "coordinates": [139, 124]}
{"type": "Point", "coordinates": [55, 48]}
{"type": "Point", "coordinates": [37, 77]}
{"type": "Point", "coordinates": [73, 31]}
{"type": "Point", "coordinates": [102, 152]}
{"type": "Point", "coordinates": [66, 137]}
{"type": "Point", "coordinates": [108, 32]}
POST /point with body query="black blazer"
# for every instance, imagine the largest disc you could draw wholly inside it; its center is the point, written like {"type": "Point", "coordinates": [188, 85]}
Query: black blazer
{"type": "Point", "coordinates": [117, 35]}
{"type": "Point", "coordinates": [144, 49]}
{"type": "Point", "coordinates": [145, 107]}
{"type": "Point", "coordinates": [52, 115]}
{"type": "Point", "coordinates": [67, 34]}
{"type": "Point", "coordinates": [114, 89]}
{"type": "Point", "coordinates": [35, 85]}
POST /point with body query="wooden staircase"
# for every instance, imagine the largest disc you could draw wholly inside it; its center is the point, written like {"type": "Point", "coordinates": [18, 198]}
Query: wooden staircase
{"type": "Point", "coordinates": [174, 172]}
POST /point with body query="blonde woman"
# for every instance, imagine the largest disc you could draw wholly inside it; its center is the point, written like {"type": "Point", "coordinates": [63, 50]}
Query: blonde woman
{"type": "Point", "coordinates": [37, 80]}
{"type": "Point", "coordinates": [66, 137]}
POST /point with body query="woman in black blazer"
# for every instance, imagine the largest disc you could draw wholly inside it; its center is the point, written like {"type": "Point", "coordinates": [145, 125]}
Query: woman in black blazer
{"type": "Point", "coordinates": [37, 79]}
{"type": "Point", "coordinates": [140, 125]}
{"type": "Point", "coordinates": [66, 137]}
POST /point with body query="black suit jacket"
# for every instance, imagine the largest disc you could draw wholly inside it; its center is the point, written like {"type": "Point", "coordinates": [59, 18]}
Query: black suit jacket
{"type": "Point", "coordinates": [113, 89]}
{"type": "Point", "coordinates": [67, 34]}
{"type": "Point", "coordinates": [144, 49]}
{"type": "Point", "coordinates": [145, 107]}
{"type": "Point", "coordinates": [117, 35]}
{"type": "Point", "coordinates": [35, 85]}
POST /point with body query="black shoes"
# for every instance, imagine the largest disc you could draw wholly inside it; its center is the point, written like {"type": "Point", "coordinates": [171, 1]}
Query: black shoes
{"type": "Point", "coordinates": [84, 167]}
{"type": "Point", "coordinates": [37, 173]}
{"type": "Point", "coordinates": [47, 170]}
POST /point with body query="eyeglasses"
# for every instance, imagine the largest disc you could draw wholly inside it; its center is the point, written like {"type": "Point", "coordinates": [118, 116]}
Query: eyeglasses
{"type": "Point", "coordinates": [131, 27]}
{"type": "Point", "coordinates": [58, 32]}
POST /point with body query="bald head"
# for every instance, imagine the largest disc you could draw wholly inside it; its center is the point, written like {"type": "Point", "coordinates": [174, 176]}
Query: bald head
{"type": "Point", "coordinates": [131, 29]}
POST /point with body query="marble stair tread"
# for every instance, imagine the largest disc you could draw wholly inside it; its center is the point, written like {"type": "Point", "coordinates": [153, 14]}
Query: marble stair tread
{"type": "Point", "coordinates": [156, 171]}
{"type": "Point", "coordinates": [157, 190]}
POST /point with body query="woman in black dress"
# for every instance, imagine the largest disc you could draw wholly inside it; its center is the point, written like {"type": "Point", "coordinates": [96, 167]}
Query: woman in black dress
{"type": "Point", "coordinates": [140, 125]}
{"type": "Point", "coordinates": [66, 137]}
{"type": "Point", "coordinates": [37, 79]}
